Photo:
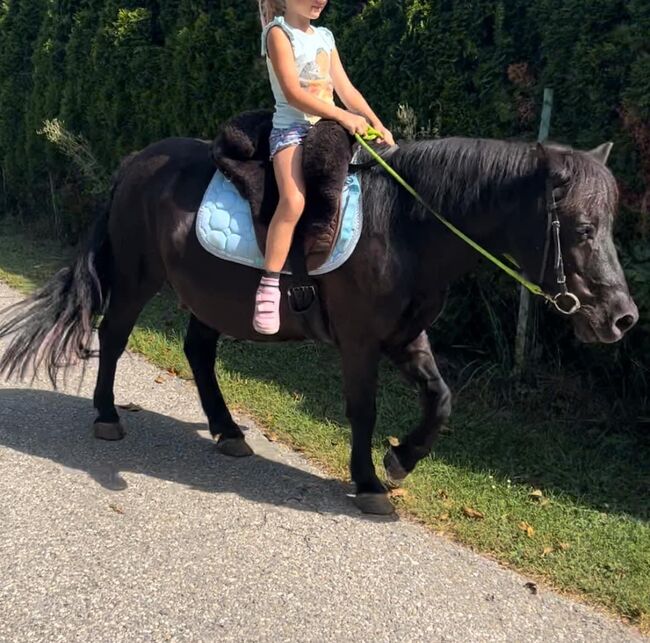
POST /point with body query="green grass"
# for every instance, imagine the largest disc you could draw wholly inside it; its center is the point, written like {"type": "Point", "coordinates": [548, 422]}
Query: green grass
{"type": "Point", "coordinates": [588, 534]}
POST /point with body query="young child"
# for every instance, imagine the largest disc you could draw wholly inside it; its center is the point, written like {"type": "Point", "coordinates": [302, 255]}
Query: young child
{"type": "Point", "coordinates": [305, 69]}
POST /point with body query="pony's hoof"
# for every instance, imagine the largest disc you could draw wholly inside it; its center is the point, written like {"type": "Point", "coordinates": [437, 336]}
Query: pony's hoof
{"type": "Point", "coordinates": [374, 503]}
{"type": "Point", "coordinates": [395, 472]}
{"type": "Point", "coordinates": [234, 447]}
{"type": "Point", "coordinates": [109, 430]}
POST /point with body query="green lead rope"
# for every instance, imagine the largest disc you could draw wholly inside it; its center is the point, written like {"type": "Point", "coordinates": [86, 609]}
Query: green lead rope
{"type": "Point", "coordinates": [371, 135]}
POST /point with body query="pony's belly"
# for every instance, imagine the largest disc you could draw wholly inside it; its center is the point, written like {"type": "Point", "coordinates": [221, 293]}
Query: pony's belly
{"type": "Point", "coordinates": [221, 294]}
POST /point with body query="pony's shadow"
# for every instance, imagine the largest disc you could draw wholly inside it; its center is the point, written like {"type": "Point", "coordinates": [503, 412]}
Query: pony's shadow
{"type": "Point", "coordinates": [58, 427]}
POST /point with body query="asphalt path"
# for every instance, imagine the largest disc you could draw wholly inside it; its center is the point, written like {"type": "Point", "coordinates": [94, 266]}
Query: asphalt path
{"type": "Point", "coordinates": [160, 538]}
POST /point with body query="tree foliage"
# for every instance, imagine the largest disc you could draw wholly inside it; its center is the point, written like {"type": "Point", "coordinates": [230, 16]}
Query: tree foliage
{"type": "Point", "coordinates": [126, 72]}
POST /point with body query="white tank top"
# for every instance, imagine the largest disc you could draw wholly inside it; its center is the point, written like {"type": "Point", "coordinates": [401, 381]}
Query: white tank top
{"type": "Point", "coordinates": [312, 53]}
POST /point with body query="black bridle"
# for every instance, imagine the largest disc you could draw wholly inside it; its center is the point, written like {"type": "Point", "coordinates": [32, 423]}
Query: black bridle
{"type": "Point", "coordinates": [553, 236]}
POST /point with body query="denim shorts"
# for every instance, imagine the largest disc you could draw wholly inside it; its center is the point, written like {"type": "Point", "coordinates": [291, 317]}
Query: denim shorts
{"type": "Point", "coordinates": [287, 136]}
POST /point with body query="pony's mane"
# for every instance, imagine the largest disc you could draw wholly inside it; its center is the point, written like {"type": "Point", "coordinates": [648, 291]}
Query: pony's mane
{"type": "Point", "coordinates": [458, 177]}
{"type": "Point", "coordinates": [465, 177]}
{"type": "Point", "coordinates": [466, 170]}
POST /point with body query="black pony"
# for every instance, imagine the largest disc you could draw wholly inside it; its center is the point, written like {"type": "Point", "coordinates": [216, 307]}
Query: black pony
{"type": "Point", "coordinates": [380, 302]}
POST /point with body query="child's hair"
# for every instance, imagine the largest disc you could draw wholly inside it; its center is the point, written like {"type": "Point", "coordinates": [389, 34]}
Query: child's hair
{"type": "Point", "coordinates": [269, 9]}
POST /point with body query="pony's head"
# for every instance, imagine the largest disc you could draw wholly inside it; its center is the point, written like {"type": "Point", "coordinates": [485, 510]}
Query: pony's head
{"type": "Point", "coordinates": [583, 193]}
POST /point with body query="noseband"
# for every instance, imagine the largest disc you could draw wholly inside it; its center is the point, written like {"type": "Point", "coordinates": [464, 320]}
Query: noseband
{"type": "Point", "coordinates": [553, 235]}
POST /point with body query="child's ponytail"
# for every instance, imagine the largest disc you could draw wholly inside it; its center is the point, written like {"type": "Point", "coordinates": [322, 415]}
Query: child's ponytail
{"type": "Point", "coordinates": [269, 9]}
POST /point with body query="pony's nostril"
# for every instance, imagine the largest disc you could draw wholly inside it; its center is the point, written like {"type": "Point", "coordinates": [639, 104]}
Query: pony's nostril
{"type": "Point", "coordinates": [625, 322]}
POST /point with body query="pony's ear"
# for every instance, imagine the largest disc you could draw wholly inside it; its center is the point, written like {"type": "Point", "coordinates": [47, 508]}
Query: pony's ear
{"type": "Point", "coordinates": [601, 153]}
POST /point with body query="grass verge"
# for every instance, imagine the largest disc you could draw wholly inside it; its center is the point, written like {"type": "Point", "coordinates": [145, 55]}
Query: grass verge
{"type": "Point", "coordinates": [539, 478]}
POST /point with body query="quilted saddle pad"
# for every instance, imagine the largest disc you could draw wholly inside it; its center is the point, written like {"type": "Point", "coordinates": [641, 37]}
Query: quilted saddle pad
{"type": "Point", "coordinates": [224, 225]}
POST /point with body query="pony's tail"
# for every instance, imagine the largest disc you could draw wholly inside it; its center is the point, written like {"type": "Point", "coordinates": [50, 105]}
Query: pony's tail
{"type": "Point", "coordinates": [54, 326]}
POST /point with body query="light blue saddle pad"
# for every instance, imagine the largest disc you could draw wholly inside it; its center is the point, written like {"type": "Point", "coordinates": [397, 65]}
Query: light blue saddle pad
{"type": "Point", "coordinates": [224, 225]}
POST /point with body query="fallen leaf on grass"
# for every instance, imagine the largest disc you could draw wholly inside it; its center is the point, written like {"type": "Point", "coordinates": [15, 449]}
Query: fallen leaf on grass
{"type": "Point", "coordinates": [443, 516]}
{"type": "Point", "coordinates": [271, 437]}
{"type": "Point", "coordinates": [526, 528]}
{"type": "Point", "coordinates": [393, 441]}
{"type": "Point", "coordinates": [538, 496]}
{"type": "Point", "coordinates": [134, 408]}
{"type": "Point", "coordinates": [564, 546]}
{"type": "Point", "coordinates": [398, 493]}
{"type": "Point", "coordinates": [473, 513]}
{"type": "Point", "coordinates": [546, 551]}
{"type": "Point", "coordinates": [116, 508]}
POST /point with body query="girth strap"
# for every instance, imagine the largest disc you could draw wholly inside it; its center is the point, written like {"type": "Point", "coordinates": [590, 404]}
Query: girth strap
{"type": "Point", "coordinates": [304, 301]}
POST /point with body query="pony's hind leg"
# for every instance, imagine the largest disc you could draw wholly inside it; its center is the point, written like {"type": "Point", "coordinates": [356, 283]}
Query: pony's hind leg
{"type": "Point", "coordinates": [201, 352]}
{"type": "Point", "coordinates": [124, 307]}
{"type": "Point", "coordinates": [417, 363]}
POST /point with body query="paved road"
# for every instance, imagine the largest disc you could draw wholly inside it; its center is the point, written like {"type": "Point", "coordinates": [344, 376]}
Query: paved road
{"type": "Point", "coordinates": [159, 538]}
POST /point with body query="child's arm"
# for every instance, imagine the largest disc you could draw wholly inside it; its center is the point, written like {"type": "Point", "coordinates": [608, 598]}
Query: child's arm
{"type": "Point", "coordinates": [352, 98]}
{"type": "Point", "coordinates": [281, 55]}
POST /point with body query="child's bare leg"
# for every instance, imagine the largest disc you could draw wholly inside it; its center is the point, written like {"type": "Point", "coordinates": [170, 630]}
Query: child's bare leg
{"type": "Point", "coordinates": [287, 165]}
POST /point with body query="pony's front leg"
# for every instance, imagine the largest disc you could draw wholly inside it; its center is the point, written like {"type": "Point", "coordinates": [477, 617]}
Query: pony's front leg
{"type": "Point", "coordinates": [416, 362]}
{"type": "Point", "coordinates": [360, 364]}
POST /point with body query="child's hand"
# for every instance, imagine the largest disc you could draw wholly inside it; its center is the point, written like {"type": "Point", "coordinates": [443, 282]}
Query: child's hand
{"type": "Point", "coordinates": [386, 136]}
{"type": "Point", "coordinates": [354, 123]}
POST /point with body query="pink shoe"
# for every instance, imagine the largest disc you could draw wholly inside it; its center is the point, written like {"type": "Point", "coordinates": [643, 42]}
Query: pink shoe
{"type": "Point", "coordinates": [266, 319]}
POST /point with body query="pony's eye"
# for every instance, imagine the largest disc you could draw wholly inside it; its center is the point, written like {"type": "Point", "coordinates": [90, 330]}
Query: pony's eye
{"type": "Point", "coordinates": [585, 232]}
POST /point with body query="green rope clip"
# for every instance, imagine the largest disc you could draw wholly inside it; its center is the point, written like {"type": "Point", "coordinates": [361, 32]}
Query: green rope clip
{"type": "Point", "coordinates": [371, 134]}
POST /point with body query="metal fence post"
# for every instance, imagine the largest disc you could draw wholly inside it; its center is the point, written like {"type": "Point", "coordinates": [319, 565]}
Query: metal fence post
{"type": "Point", "coordinates": [525, 304]}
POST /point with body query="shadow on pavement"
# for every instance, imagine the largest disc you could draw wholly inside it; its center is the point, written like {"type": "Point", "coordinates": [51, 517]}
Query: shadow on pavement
{"type": "Point", "coordinates": [58, 427]}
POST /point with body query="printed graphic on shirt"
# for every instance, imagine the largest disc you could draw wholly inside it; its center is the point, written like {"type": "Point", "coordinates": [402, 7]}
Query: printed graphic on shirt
{"type": "Point", "coordinates": [315, 78]}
